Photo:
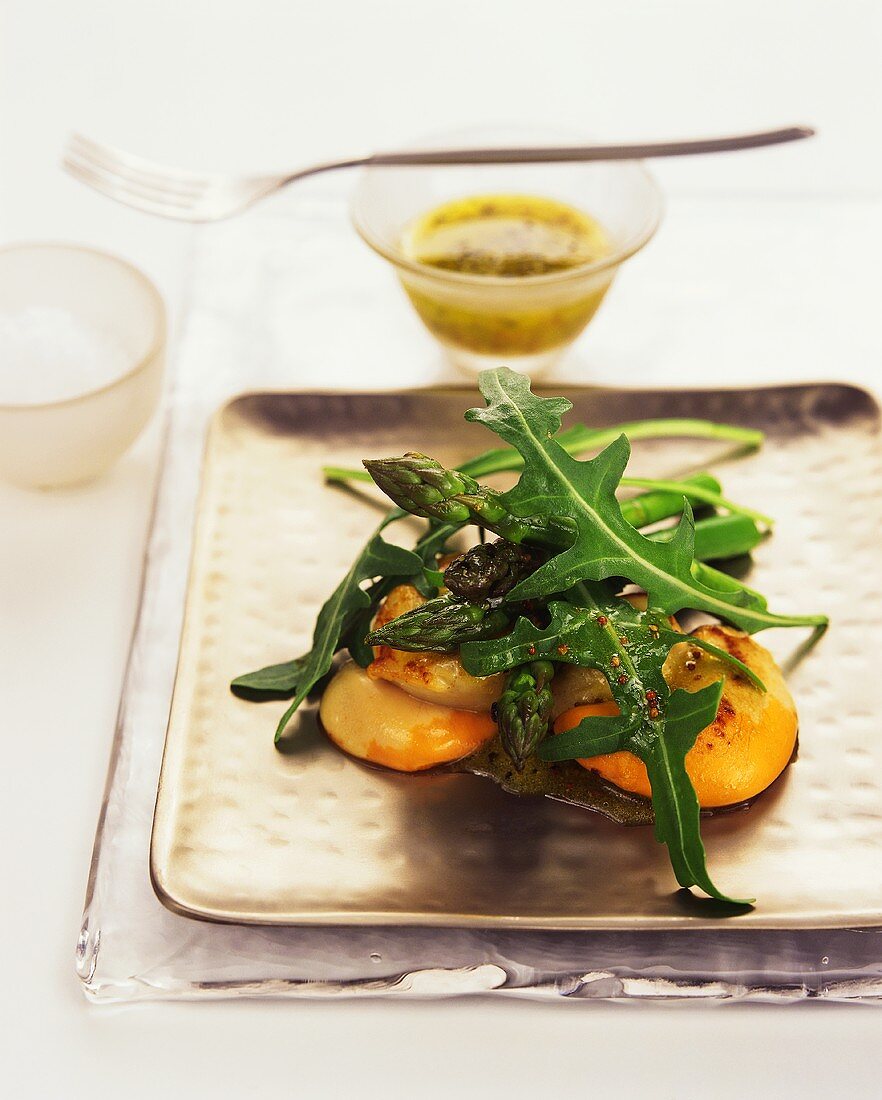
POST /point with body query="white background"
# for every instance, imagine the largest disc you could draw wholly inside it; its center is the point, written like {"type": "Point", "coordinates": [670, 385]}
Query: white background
{"type": "Point", "coordinates": [258, 84]}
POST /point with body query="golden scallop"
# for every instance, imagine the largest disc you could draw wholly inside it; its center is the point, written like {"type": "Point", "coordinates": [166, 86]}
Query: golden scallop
{"type": "Point", "coordinates": [745, 748]}
{"type": "Point", "coordinates": [378, 722]}
{"type": "Point", "coordinates": [435, 677]}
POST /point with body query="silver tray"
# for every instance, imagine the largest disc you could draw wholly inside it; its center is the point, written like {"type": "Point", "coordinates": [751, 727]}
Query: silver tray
{"type": "Point", "coordinates": [244, 833]}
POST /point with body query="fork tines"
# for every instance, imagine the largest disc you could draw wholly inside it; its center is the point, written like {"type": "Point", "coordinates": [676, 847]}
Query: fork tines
{"type": "Point", "coordinates": [171, 193]}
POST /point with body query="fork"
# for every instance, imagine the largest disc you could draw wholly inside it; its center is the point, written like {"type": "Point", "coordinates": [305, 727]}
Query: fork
{"type": "Point", "coordinates": [196, 197]}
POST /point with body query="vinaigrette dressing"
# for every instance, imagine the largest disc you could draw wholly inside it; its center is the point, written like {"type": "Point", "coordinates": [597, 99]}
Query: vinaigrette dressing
{"type": "Point", "coordinates": [508, 236]}
{"type": "Point", "coordinates": [509, 240]}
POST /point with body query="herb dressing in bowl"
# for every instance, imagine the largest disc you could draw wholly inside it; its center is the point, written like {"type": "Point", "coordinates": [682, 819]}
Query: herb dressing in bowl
{"type": "Point", "coordinates": [506, 264]}
{"type": "Point", "coordinates": [510, 237]}
{"type": "Point", "coordinates": [505, 235]}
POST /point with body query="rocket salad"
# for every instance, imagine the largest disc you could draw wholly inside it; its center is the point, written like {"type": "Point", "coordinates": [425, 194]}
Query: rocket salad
{"type": "Point", "coordinates": [557, 645]}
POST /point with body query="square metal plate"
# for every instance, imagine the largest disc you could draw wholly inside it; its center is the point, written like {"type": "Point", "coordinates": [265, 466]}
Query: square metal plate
{"type": "Point", "coordinates": [244, 833]}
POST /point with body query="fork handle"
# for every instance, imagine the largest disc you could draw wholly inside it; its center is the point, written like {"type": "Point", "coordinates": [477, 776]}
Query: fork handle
{"type": "Point", "coordinates": [551, 154]}
{"type": "Point", "coordinates": [563, 153]}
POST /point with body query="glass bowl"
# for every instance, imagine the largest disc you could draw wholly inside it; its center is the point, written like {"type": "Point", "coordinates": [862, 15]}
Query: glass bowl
{"type": "Point", "coordinates": [62, 442]}
{"type": "Point", "coordinates": [525, 321]}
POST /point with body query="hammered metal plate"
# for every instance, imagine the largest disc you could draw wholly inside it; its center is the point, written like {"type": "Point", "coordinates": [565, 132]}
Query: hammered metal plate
{"type": "Point", "coordinates": [245, 833]}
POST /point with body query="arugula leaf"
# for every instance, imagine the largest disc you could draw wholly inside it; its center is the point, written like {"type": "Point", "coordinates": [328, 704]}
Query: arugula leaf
{"type": "Point", "coordinates": [606, 545]}
{"type": "Point", "coordinates": [656, 725]}
{"type": "Point", "coordinates": [353, 618]}
{"type": "Point", "coordinates": [280, 681]}
{"type": "Point", "coordinates": [358, 627]}
{"type": "Point", "coordinates": [377, 559]}
{"type": "Point", "coordinates": [270, 682]}
{"type": "Point", "coordinates": [571, 634]}
{"type": "Point", "coordinates": [674, 802]}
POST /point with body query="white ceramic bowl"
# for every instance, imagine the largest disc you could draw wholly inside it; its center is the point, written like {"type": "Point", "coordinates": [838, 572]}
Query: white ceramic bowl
{"type": "Point", "coordinates": [76, 439]}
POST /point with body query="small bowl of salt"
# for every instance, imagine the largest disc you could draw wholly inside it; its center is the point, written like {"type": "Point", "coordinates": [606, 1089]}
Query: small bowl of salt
{"type": "Point", "coordinates": [82, 354]}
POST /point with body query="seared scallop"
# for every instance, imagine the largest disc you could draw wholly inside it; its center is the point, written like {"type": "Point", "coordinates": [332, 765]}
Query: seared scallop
{"type": "Point", "coordinates": [376, 721]}
{"type": "Point", "coordinates": [745, 748]}
{"type": "Point", "coordinates": [435, 677]}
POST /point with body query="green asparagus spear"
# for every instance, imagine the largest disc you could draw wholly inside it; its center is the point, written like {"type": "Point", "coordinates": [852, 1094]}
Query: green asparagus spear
{"type": "Point", "coordinates": [524, 710]}
{"type": "Point", "coordinates": [425, 488]}
{"type": "Point", "coordinates": [658, 504]}
{"type": "Point", "coordinates": [440, 625]}
{"type": "Point", "coordinates": [718, 537]}
{"type": "Point", "coordinates": [490, 570]}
